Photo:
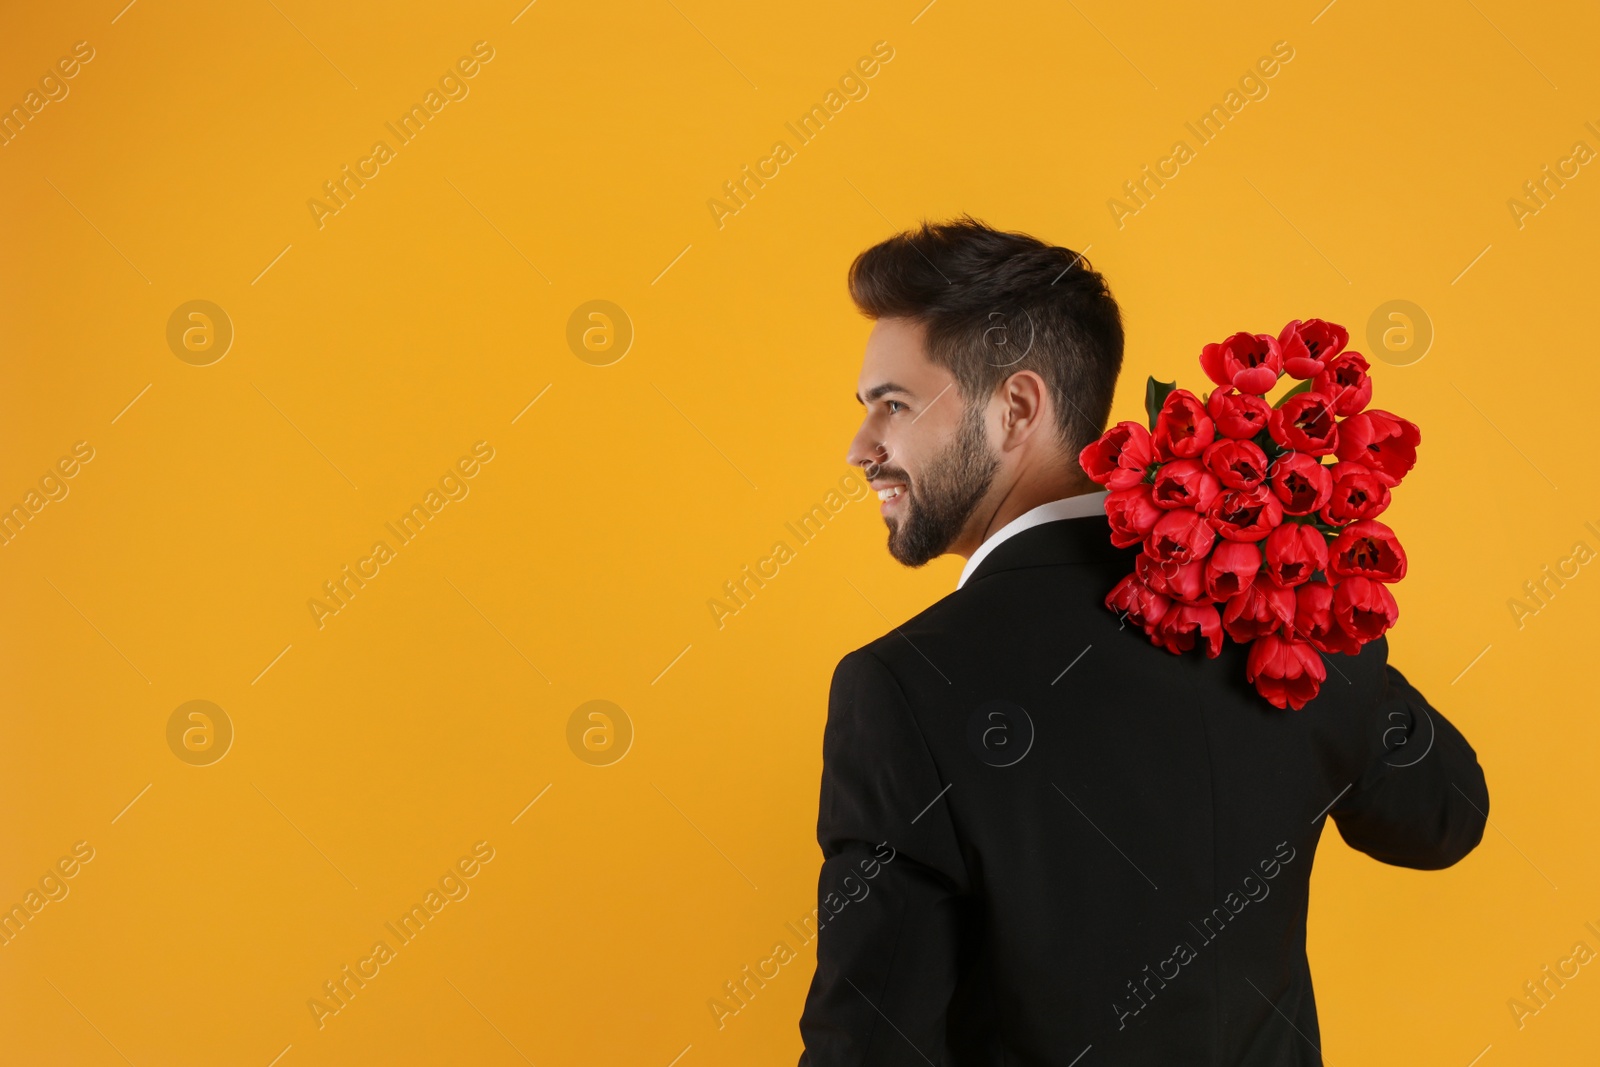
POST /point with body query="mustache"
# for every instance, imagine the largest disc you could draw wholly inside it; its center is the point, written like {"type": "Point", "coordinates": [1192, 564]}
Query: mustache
{"type": "Point", "coordinates": [877, 471]}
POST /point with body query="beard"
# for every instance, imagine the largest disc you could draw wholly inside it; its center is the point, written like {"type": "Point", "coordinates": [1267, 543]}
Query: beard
{"type": "Point", "coordinates": [941, 500]}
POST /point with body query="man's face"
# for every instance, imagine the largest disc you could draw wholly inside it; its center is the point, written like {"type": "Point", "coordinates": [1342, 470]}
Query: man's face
{"type": "Point", "coordinates": [920, 439]}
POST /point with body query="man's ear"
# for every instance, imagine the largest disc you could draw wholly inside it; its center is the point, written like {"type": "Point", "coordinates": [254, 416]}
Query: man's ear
{"type": "Point", "coordinates": [1024, 403]}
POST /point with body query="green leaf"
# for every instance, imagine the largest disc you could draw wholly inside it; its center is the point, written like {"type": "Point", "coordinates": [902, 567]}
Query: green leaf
{"type": "Point", "coordinates": [1304, 386]}
{"type": "Point", "coordinates": [1155, 395]}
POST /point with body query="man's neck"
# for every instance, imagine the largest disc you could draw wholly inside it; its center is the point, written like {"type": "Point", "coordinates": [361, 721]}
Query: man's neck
{"type": "Point", "coordinates": [1021, 497]}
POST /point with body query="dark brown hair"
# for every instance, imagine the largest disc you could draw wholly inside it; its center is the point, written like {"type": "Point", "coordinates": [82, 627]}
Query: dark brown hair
{"type": "Point", "coordinates": [993, 303]}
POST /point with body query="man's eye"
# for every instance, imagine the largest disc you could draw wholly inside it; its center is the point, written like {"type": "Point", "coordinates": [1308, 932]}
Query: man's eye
{"type": "Point", "coordinates": [893, 405]}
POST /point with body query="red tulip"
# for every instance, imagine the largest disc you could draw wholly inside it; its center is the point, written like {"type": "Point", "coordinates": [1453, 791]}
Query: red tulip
{"type": "Point", "coordinates": [1306, 345]}
{"type": "Point", "coordinates": [1181, 581]}
{"type": "Point", "coordinates": [1185, 624]}
{"type": "Point", "coordinates": [1183, 429]}
{"type": "Point", "coordinates": [1344, 378]}
{"type": "Point", "coordinates": [1364, 608]}
{"type": "Point", "coordinates": [1231, 567]}
{"type": "Point", "coordinates": [1305, 423]}
{"type": "Point", "coordinates": [1358, 493]}
{"type": "Point", "coordinates": [1119, 457]}
{"type": "Point", "coordinates": [1250, 362]}
{"type": "Point", "coordinates": [1136, 601]}
{"type": "Point", "coordinates": [1182, 535]}
{"type": "Point", "coordinates": [1325, 339]}
{"type": "Point", "coordinates": [1258, 609]}
{"type": "Point", "coordinates": [1285, 671]}
{"type": "Point", "coordinates": [1297, 359]}
{"type": "Point", "coordinates": [1294, 551]}
{"type": "Point", "coordinates": [1132, 514]}
{"type": "Point", "coordinates": [1245, 514]}
{"type": "Point", "coordinates": [1237, 464]}
{"type": "Point", "coordinates": [1237, 414]}
{"type": "Point", "coordinates": [1314, 620]}
{"type": "Point", "coordinates": [1184, 483]}
{"type": "Point", "coordinates": [1386, 443]}
{"type": "Point", "coordinates": [1187, 584]}
{"type": "Point", "coordinates": [1367, 549]}
{"type": "Point", "coordinates": [1244, 531]}
{"type": "Point", "coordinates": [1301, 483]}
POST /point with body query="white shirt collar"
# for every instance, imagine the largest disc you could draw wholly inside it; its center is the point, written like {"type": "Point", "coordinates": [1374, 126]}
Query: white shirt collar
{"type": "Point", "coordinates": [1070, 507]}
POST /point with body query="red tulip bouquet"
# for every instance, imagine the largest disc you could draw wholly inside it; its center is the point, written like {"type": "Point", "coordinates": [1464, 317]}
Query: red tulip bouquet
{"type": "Point", "coordinates": [1258, 520]}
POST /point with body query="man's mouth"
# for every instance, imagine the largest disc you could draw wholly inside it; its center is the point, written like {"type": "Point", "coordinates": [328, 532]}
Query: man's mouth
{"type": "Point", "coordinates": [890, 495]}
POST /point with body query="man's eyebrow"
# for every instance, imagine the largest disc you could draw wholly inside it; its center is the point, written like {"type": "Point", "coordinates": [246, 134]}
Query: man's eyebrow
{"type": "Point", "coordinates": [879, 391]}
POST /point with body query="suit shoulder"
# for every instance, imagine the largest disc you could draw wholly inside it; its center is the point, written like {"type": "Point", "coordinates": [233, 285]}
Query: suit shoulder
{"type": "Point", "coordinates": [867, 706]}
{"type": "Point", "coordinates": [891, 647]}
{"type": "Point", "coordinates": [942, 636]}
{"type": "Point", "coordinates": [868, 659]}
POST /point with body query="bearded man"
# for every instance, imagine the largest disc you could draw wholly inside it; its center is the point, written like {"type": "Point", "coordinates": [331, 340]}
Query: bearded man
{"type": "Point", "coordinates": [1058, 844]}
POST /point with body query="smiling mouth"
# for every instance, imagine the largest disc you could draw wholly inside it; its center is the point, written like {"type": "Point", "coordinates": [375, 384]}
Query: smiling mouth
{"type": "Point", "coordinates": [891, 492]}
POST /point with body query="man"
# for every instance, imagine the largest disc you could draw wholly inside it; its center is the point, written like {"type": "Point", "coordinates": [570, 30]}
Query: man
{"type": "Point", "coordinates": [1046, 841]}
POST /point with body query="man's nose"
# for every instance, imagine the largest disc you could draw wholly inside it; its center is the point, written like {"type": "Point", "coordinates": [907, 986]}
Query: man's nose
{"type": "Point", "coordinates": [865, 450]}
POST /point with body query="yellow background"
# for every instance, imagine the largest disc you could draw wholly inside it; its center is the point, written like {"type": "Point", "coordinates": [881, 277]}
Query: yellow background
{"type": "Point", "coordinates": [427, 314]}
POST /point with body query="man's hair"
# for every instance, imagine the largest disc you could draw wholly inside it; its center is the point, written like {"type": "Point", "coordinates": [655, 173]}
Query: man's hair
{"type": "Point", "coordinates": [993, 303]}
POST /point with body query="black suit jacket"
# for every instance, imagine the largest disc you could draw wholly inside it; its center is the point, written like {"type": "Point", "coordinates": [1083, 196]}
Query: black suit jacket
{"type": "Point", "coordinates": [1048, 842]}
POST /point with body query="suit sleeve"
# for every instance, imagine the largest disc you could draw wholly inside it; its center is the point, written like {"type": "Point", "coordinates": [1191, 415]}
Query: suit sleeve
{"type": "Point", "coordinates": [1421, 801]}
{"type": "Point", "coordinates": [889, 893]}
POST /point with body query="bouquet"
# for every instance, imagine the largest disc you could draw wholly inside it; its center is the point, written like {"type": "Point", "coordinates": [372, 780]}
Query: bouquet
{"type": "Point", "coordinates": [1259, 521]}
